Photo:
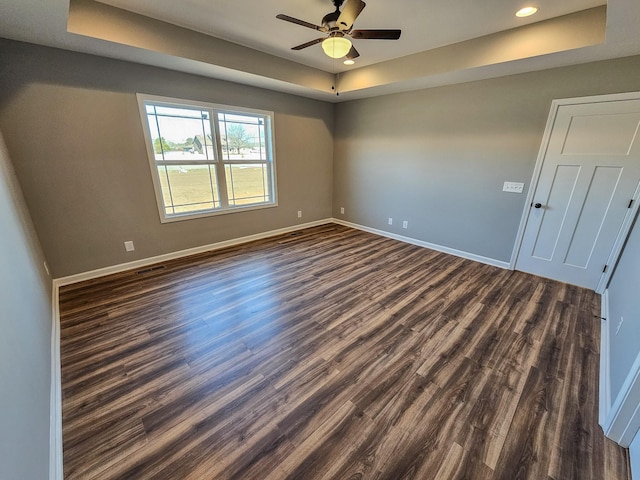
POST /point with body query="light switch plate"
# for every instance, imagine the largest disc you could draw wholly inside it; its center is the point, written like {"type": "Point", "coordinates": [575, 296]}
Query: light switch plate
{"type": "Point", "coordinates": [513, 187]}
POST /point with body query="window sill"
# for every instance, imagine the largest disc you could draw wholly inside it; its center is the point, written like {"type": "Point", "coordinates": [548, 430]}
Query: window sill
{"type": "Point", "coordinates": [213, 213]}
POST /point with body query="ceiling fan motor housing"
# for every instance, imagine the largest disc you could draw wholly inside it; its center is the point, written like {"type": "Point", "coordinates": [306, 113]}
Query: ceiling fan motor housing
{"type": "Point", "coordinates": [330, 20]}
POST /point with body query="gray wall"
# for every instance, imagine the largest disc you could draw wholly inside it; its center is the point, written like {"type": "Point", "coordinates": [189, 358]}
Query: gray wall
{"type": "Point", "coordinates": [25, 338]}
{"type": "Point", "coordinates": [72, 126]}
{"type": "Point", "coordinates": [438, 157]}
{"type": "Point", "coordinates": [624, 301]}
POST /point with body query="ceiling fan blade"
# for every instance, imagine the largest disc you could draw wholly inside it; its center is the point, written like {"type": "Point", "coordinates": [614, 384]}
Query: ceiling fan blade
{"type": "Point", "coordinates": [349, 14]}
{"type": "Point", "coordinates": [308, 44]}
{"type": "Point", "coordinates": [376, 34]}
{"type": "Point", "coordinates": [353, 53]}
{"type": "Point", "coordinates": [297, 21]}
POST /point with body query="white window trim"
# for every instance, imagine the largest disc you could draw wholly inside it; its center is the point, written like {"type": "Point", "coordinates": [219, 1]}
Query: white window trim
{"type": "Point", "coordinates": [216, 108]}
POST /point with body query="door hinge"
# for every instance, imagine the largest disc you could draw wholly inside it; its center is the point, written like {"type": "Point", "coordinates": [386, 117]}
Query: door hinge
{"type": "Point", "coordinates": [630, 203]}
{"type": "Point", "coordinates": [605, 268]}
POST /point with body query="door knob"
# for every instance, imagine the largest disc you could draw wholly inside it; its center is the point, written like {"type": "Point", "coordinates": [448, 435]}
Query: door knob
{"type": "Point", "coordinates": [537, 205]}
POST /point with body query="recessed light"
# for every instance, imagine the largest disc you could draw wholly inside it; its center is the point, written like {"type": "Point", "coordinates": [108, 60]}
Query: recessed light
{"type": "Point", "coordinates": [526, 11]}
{"type": "Point", "coordinates": [349, 62]}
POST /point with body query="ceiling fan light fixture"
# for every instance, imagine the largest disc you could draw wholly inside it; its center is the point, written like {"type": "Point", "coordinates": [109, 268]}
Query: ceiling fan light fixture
{"type": "Point", "coordinates": [526, 11]}
{"type": "Point", "coordinates": [336, 47]}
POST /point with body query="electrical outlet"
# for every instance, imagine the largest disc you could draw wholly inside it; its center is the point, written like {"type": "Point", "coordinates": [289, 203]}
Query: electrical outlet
{"type": "Point", "coordinates": [513, 187]}
{"type": "Point", "coordinates": [405, 224]}
{"type": "Point", "coordinates": [299, 213]}
{"type": "Point", "coordinates": [342, 210]}
{"type": "Point", "coordinates": [619, 325]}
{"type": "Point", "coordinates": [390, 221]}
{"type": "Point", "coordinates": [128, 246]}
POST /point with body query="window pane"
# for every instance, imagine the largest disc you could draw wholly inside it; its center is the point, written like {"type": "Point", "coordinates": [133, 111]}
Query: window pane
{"type": "Point", "coordinates": [164, 185]}
{"type": "Point", "coordinates": [184, 138]}
{"type": "Point", "coordinates": [181, 112]}
{"type": "Point", "coordinates": [246, 184]}
{"type": "Point", "coordinates": [240, 118]}
{"type": "Point", "coordinates": [189, 188]}
{"type": "Point", "coordinates": [242, 137]}
{"type": "Point", "coordinates": [180, 134]}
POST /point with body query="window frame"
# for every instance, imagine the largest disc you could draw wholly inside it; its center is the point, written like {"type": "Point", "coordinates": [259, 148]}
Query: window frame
{"type": "Point", "coordinates": [218, 163]}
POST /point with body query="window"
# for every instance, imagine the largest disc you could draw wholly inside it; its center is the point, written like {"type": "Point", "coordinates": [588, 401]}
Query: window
{"type": "Point", "coordinates": [208, 159]}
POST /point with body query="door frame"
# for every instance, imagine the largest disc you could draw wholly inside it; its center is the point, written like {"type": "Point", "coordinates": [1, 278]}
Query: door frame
{"type": "Point", "coordinates": [533, 184]}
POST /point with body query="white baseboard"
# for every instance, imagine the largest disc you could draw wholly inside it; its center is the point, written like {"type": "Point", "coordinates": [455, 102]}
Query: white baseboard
{"type": "Point", "coordinates": [421, 243]}
{"type": "Point", "coordinates": [145, 262]}
{"type": "Point", "coordinates": [604, 401]}
{"type": "Point", "coordinates": [620, 420]}
{"type": "Point", "coordinates": [55, 408]}
{"type": "Point", "coordinates": [623, 421]}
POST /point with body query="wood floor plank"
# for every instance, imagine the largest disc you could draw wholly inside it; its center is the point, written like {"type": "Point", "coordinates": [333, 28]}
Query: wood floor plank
{"type": "Point", "coordinates": [526, 453]}
{"type": "Point", "coordinates": [462, 464]}
{"type": "Point", "coordinates": [331, 353]}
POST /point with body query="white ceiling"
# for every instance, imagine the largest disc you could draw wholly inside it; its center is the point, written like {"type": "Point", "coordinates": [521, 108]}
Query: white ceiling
{"type": "Point", "coordinates": [425, 24]}
{"type": "Point", "coordinates": [383, 67]}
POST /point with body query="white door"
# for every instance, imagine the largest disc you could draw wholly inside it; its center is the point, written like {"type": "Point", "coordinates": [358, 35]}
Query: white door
{"type": "Point", "coordinates": [583, 199]}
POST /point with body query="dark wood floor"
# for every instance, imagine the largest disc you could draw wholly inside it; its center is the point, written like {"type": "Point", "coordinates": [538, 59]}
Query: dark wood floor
{"type": "Point", "coordinates": [331, 354]}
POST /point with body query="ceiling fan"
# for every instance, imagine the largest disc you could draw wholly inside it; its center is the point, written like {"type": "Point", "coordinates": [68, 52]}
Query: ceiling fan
{"type": "Point", "coordinates": [338, 26]}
